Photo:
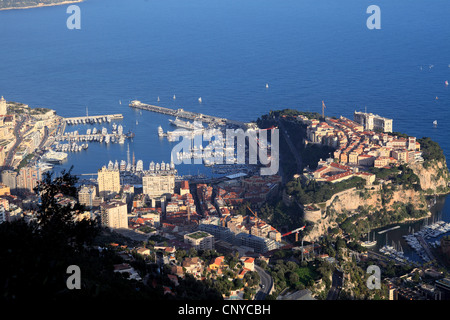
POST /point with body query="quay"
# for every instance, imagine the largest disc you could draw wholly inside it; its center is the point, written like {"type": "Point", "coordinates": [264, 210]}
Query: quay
{"type": "Point", "coordinates": [93, 119]}
{"type": "Point", "coordinates": [181, 113]}
{"type": "Point", "coordinates": [390, 229]}
{"type": "Point", "coordinates": [425, 246]}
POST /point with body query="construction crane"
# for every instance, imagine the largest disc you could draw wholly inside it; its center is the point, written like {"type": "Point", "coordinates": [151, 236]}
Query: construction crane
{"type": "Point", "coordinates": [252, 212]}
{"type": "Point", "coordinates": [296, 231]}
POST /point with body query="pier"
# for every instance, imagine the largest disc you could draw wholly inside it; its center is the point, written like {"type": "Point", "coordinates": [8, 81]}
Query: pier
{"type": "Point", "coordinates": [390, 229]}
{"type": "Point", "coordinates": [181, 113]}
{"type": "Point", "coordinates": [93, 119]}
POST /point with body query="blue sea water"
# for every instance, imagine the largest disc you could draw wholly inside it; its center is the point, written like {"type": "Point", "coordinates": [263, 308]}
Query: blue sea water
{"type": "Point", "coordinates": [225, 52]}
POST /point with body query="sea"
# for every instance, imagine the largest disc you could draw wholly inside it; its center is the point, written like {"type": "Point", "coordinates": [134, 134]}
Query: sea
{"type": "Point", "coordinates": [226, 52]}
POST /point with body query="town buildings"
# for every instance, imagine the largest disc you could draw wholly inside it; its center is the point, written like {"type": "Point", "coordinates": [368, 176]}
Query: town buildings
{"type": "Point", "coordinates": [360, 143]}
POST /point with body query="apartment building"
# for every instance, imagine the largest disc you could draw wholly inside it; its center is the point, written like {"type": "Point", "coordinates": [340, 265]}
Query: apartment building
{"type": "Point", "coordinates": [114, 214]}
{"type": "Point", "coordinates": [200, 240]}
{"type": "Point", "coordinates": [157, 185]}
{"type": "Point", "coordinates": [108, 182]}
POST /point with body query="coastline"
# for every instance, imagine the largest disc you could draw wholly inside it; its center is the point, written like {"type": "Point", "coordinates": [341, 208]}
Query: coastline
{"type": "Point", "coordinates": [43, 5]}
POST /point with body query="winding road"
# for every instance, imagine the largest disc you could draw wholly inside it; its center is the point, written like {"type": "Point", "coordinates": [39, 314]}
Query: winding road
{"type": "Point", "coordinates": [266, 283]}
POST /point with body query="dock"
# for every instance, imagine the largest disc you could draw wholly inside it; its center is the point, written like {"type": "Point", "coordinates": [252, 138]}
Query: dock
{"type": "Point", "coordinates": [181, 113]}
{"type": "Point", "coordinates": [93, 119]}
{"type": "Point", "coordinates": [390, 229]}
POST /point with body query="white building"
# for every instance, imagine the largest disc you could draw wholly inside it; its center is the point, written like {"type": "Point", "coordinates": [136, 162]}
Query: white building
{"type": "Point", "coordinates": [114, 214]}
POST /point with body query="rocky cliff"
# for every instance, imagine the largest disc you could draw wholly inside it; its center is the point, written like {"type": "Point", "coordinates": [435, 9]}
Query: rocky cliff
{"type": "Point", "coordinates": [390, 199]}
{"type": "Point", "coordinates": [434, 176]}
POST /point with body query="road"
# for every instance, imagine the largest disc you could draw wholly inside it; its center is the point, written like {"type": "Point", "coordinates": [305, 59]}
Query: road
{"type": "Point", "coordinates": [336, 285]}
{"type": "Point", "coordinates": [266, 281]}
{"type": "Point", "coordinates": [11, 153]}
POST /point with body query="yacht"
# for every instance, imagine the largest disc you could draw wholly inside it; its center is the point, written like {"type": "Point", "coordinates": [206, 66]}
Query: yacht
{"type": "Point", "coordinates": [54, 156]}
{"type": "Point", "coordinates": [160, 131]}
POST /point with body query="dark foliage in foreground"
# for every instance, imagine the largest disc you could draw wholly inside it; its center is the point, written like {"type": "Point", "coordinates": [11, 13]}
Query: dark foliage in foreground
{"type": "Point", "coordinates": [35, 256]}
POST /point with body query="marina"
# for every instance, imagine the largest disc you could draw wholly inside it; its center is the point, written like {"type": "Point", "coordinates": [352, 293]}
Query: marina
{"type": "Point", "coordinates": [92, 135]}
{"type": "Point", "coordinates": [417, 240]}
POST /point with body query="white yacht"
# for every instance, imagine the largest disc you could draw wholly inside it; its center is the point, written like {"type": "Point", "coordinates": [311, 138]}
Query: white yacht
{"type": "Point", "coordinates": [54, 156]}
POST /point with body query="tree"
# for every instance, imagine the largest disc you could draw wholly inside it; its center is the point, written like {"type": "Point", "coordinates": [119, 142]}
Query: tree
{"type": "Point", "coordinates": [294, 278]}
{"type": "Point", "coordinates": [59, 223]}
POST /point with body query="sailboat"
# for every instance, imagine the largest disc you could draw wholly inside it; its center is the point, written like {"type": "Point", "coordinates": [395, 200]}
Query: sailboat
{"type": "Point", "coordinates": [200, 99]}
{"type": "Point", "coordinates": [446, 82]}
{"type": "Point", "coordinates": [267, 85]}
{"type": "Point", "coordinates": [369, 243]}
{"type": "Point", "coordinates": [158, 99]}
{"type": "Point", "coordinates": [435, 123]}
{"type": "Point", "coordinates": [174, 97]}
{"type": "Point", "coordinates": [120, 101]}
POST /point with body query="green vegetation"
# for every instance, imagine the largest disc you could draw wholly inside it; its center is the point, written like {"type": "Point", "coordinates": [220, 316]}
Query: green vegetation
{"type": "Point", "coordinates": [25, 161]}
{"type": "Point", "coordinates": [399, 176]}
{"type": "Point", "coordinates": [315, 192]}
{"type": "Point", "coordinates": [289, 274]}
{"type": "Point", "coordinates": [367, 219]}
{"type": "Point", "coordinates": [39, 110]}
{"type": "Point", "coordinates": [431, 150]}
{"type": "Point", "coordinates": [279, 215]}
{"type": "Point", "coordinates": [198, 235]}
{"type": "Point", "coordinates": [289, 113]}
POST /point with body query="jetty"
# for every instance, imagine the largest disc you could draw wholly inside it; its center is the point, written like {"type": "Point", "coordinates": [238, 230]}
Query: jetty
{"type": "Point", "coordinates": [390, 229]}
{"type": "Point", "coordinates": [181, 113]}
{"type": "Point", "coordinates": [93, 119]}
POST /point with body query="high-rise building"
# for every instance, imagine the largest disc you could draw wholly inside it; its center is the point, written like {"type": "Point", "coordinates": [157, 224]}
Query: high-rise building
{"type": "Point", "coordinates": [114, 214]}
{"type": "Point", "coordinates": [3, 107]}
{"type": "Point", "coordinates": [87, 196]}
{"type": "Point", "coordinates": [28, 178]}
{"type": "Point", "coordinates": [108, 182]}
{"type": "Point", "coordinates": [157, 185]}
{"type": "Point", "coordinates": [9, 178]}
{"type": "Point", "coordinates": [373, 122]}
{"type": "Point", "coordinates": [3, 214]}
